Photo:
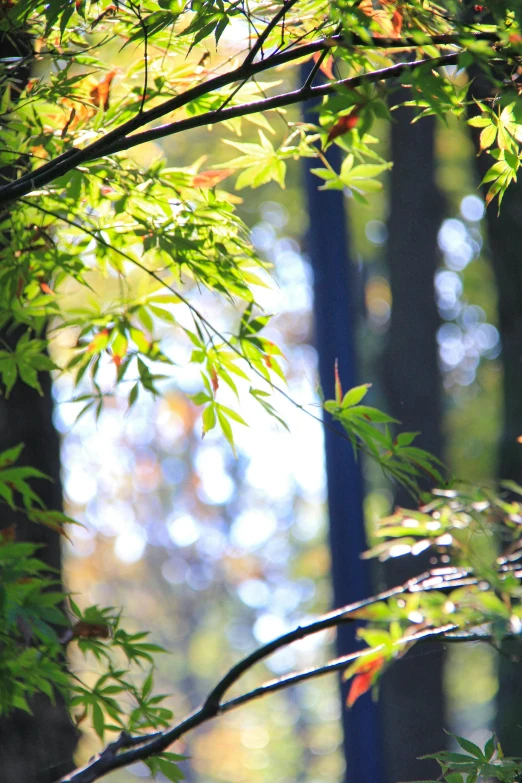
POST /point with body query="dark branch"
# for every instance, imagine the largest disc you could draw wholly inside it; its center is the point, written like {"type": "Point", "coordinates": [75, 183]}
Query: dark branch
{"type": "Point", "coordinates": [305, 93]}
{"type": "Point", "coordinates": [258, 46]}
{"type": "Point", "coordinates": [119, 137]}
{"type": "Point", "coordinates": [140, 748]}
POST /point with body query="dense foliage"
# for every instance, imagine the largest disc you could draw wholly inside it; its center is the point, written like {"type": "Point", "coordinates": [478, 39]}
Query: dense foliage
{"type": "Point", "coordinates": [106, 255]}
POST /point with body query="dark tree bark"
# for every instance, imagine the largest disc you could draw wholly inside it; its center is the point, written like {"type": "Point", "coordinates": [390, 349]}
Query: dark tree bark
{"type": "Point", "coordinates": [328, 248]}
{"type": "Point", "coordinates": [411, 697]}
{"type": "Point", "coordinates": [35, 748]}
{"type": "Point", "coordinates": [504, 232]}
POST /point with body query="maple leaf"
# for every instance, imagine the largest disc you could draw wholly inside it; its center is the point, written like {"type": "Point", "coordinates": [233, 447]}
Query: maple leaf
{"type": "Point", "coordinates": [209, 179]}
{"type": "Point", "coordinates": [343, 124]}
{"type": "Point", "coordinates": [387, 16]}
{"type": "Point", "coordinates": [363, 681]}
{"type": "Point", "coordinates": [100, 93]}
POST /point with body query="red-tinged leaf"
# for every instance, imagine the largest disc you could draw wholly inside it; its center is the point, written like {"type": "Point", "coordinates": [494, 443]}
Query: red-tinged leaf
{"type": "Point", "coordinates": [386, 15]}
{"type": "Point", "coordinates": [209, 179]}
{"type": "Point", "coordinates": [99, 342]}
{"type": "Point", "coordinates": [364, 679]}
{"type": "Point", "coordinates": [268, 361]}
{"type": "Point", "coordinates": [396, 23]}
{"type": "Point", "coordinates": [343, 124]}
{"type": "Point", "coordinates": [360, 684]}
{"type": "Point", "coordinates": [214, 379]}
{"type": "Point", "coordinates": [326, 66]}
{"type": "Point", "coordinates": [338, 387]}
{"type": "Point", "coordinates": [45, 289]}
{"type": "Point", "coordinates": [117, 360]}
{"type": "Point", "coordinates": [100, 93]}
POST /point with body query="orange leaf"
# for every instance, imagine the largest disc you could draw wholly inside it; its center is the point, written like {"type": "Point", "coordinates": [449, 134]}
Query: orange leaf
{"type": "Point", "coordinates": [209, 179]}
{"type": "Point", "coordinates": [343, 124]}
{"type": "Point", "coordinates": [363, 681]}
{"type": "Point", "coordinates": [39, 151]}
{"type": "Point", "coordinates": [338, 387]}
{"type": "Point", "coordinates": [396, 24]}
{"type": "Point", "coordinates": [100, 92]}
{"type": "Point", "coordinates": [386, 15]}
{"type": "Point", "coordinates": [326, 65]}
{"type": "Point", "coordinates": [360, 685]}
{"type": "Point", "coordinates": [45, 289]}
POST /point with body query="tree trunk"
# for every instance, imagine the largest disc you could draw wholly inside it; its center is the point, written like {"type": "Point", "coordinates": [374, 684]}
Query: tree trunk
{"type": "Point", "coordinates": [505, 249]}
{"type": "Point", "coordinates": [34, 748]}
{"type": "Point", "coordinates": [412, 699]}
{"type": "Point", "coordinates": [328, 249]}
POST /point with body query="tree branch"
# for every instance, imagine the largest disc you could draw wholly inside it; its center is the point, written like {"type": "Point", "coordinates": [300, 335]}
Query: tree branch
{"type": "Point", "coordinates": [258, 46]}
{"type": "Point", "coordinates": [141, 748]}
{"type": "Point", "coordinates": [305, 93]}
{"type": "Point", "coordinates": [119, 139]}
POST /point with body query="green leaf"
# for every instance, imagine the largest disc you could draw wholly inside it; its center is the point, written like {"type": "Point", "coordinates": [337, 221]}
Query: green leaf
{"type": "Point", "coordinates": [209, 418]}
{"type": "Point", "coordinates": [355, 395]}
{"type": "Point", "coordinates": [98, 720]}
{"type": "Point", "coordinates": [470, 747]}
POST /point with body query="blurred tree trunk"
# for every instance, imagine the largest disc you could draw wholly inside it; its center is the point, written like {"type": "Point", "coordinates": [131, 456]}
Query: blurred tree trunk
{"type": "Point", "coordinates": [505, 250]}
{"type": "Point", "coordinates": [34, 748]}
{"type": "Point", "coordinates": [411, 697]}
{"type": "Point", "coordinates": [328, 248]}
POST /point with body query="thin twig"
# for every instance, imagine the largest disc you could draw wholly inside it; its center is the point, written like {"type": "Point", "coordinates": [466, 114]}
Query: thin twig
{"type": "Point", "coordinates": [258, 46]}
{"type": "Point", "coordinates": [137, 12]}
{"type": "Point", "coordinates": [322, 57]}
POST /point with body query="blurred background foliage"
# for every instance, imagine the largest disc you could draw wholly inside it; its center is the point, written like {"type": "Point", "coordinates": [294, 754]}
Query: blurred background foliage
{"type": "Point", "coordinates": [216, 555]}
